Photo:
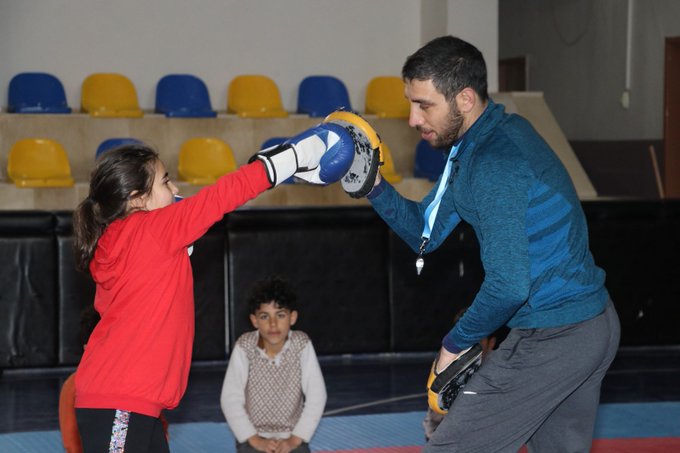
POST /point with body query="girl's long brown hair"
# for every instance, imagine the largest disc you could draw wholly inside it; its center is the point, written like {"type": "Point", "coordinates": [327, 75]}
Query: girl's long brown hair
{"type": "Point", "coordinates": [120, 175]}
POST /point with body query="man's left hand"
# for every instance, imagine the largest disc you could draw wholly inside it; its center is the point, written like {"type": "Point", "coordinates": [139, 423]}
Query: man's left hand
{"type": "Point", "coordinates": [446, 358]}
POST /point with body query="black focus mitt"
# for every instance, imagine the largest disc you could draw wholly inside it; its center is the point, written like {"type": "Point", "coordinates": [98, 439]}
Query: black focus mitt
{"type": "Point", "coordinates": [444, 387]}
{"type": "Point", "coordinates": [360, 178]}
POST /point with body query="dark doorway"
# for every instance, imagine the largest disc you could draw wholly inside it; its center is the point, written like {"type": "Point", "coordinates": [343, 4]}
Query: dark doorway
{"type": "Point", "coordinates": [671, 124]}
{"type": "Point", "coordinates": [512, 74]}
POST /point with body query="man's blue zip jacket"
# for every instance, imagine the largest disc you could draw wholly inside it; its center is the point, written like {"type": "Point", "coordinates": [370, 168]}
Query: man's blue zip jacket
{"type": "Point", "coordinates": [509, 185]}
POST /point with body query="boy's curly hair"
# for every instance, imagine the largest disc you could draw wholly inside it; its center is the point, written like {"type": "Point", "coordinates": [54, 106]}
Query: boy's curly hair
{"type": "Point", "coordinates": [272, 289]}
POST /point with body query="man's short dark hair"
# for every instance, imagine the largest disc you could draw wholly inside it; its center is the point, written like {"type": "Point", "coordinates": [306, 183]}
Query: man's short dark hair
{"type": "Point", "coordinates": [272, 289]}
{"type": "Point", "coordinates": [452, 64]}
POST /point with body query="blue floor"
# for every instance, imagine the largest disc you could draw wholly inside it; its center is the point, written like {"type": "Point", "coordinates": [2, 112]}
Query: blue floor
{"type": "Point", "coordinates": [620, 420]}
{"type": "Point", "coordinates": [376, 399]}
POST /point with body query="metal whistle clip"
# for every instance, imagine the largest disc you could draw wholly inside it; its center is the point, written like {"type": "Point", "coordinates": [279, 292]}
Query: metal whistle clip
{"type": "Point", "coordinates": [420, 262]}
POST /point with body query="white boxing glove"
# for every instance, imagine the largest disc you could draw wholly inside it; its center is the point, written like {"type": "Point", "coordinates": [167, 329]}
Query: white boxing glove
{"type": "Point", "coordinates": [320, 155]}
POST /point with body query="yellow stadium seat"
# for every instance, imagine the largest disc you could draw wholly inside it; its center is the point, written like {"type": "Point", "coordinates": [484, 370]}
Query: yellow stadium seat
{"type": "Point", "coordinates": [387, 169]}
{"type": "Point", "coordinates": [202, 160]}
{"type": "Point", "coordinates": [39, 162]}
{"type": "Point", "coordinates": [255, 96]}
{"type": "Point", "coordinates": [109, 95]}
{"type": "Point", "coordinates": [385, 97]}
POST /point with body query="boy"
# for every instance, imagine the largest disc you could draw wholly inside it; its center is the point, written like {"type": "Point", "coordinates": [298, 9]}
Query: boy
{"type": "Point", "coordinates": [273, 394]}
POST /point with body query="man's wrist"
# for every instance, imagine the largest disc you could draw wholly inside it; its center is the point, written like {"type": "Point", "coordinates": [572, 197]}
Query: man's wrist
{"type": "Point", "coordinates": [377, 188]}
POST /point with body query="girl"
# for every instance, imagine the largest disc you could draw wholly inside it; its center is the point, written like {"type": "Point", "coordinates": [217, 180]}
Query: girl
{"type": "Point", "coordinates": [132, 239]}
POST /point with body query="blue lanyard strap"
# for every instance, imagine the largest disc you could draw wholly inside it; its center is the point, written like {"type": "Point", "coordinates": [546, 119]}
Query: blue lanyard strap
{"type": "Point", "coordinates": [433, 207]}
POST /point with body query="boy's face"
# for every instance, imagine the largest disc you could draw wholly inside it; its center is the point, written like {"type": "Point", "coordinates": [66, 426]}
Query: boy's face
{"type": "Point", "coordinates": [273, 323]}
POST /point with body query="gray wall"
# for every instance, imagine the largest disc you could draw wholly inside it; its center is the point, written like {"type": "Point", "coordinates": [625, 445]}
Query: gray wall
{"type": "Point", "coordinates": [219, 39]}
{"type": "Point", "coordinates": [576, 53]}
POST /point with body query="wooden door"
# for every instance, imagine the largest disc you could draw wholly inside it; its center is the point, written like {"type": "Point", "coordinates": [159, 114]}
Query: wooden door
{"type": "Point", "coordinates": [671, 125]}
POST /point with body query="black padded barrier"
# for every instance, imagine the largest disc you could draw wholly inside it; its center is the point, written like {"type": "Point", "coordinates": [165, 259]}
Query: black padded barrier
{"type": "Point", "coordinates": [355, 279]}
{"type": "Point", "coordinates": [207, 262]}
{"type": "Point", "coordinates": [76, 291]}
{"type": "Point", "coordinates": [28, 290]}
{"type": "Point", "coordinates": [335, 259]}
{"type": "Point", "coordinates": [423, 307]}
{"type": "Point", "coordinates": [637, 243]}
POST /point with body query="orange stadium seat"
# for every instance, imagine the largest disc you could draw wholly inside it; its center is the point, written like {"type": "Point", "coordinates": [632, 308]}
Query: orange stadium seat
{"type": "Point", "coordinates": [39, 162]}
{"type": "Point", "coordinates": [109, 95]}
{"type": "Point", "coordinates": [387, 169]}
{"type": "Point", "coordinates": [385, 97]}
{"type": "Point", "coordinates": [255, 96]}
{"type": "Point", "coordinates": [204, 159]}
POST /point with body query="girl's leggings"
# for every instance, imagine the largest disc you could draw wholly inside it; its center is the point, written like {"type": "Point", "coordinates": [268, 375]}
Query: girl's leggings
{"type": "Point", "coordinates": [116, 431]}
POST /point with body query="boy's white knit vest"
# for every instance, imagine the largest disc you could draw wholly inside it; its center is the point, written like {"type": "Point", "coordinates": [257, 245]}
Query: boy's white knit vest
{"type": "Point", "coordinates": [274, 397]}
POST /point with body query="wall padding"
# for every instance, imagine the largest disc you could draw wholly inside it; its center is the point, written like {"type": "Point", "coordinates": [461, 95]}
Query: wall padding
{"type": "Point", "coordinates": [336, 260]}
{"type": "Point", "coordinates": [28, 309]}
{"type": "Point", "coordinates": [423, 306]}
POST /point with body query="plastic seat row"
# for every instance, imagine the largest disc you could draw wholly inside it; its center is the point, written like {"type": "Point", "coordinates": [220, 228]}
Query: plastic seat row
{"type": "Point", "coordinates": [39, 162]}
{"type": "Point", "coordinates": [186, 96]}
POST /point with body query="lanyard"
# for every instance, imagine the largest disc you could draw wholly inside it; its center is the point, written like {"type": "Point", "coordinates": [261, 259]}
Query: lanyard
{"type": "Point", "coordinates": [432, 209]}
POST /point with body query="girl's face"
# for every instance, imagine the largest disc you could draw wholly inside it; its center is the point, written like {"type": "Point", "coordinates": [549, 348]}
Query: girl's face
{"type": "Point", "coordinates": [163, 191]}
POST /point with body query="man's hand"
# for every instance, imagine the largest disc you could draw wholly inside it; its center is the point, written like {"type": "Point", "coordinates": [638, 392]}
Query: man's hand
{"type": "Point", "coordinates": [378, 178]}
{"type": "Point", "coordinates": [286, 445]}
{"type": "Point", "coordinates": [449, 374]}
{"type": "Point", "coordinates": [446, 358]}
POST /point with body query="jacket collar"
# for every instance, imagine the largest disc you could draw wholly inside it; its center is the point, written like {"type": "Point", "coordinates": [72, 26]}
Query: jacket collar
{"type": "Point", "coordinates": [483, 126]}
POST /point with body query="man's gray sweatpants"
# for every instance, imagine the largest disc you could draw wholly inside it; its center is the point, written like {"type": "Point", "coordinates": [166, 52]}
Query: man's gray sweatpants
{"type": "Point", "coordinates": [540, 387]}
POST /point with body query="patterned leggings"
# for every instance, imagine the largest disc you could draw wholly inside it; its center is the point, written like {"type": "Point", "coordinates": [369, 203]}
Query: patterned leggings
{"type": "Point", "coordinates": [116, 431]}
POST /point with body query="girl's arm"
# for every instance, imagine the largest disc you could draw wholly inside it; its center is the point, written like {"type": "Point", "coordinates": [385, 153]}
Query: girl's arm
{"type": "Point", "coordinates": [180, 224]}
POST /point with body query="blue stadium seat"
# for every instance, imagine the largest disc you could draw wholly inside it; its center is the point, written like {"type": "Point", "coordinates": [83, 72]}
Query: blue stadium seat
{"type": "Point", "coordinates": [320, 95]}
{"type": "Point", "coordinates": [36, 92]}
{"type": "Point", "coordinates": [183, 96]}
{"type": "Point", "coordinates": [430, 162]}
{"type": "Point", "coordinates": [111, 143]}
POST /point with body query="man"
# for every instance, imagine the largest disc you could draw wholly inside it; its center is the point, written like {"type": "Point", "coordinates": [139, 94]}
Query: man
{"type": "Point", "coordinates": [542, 385]}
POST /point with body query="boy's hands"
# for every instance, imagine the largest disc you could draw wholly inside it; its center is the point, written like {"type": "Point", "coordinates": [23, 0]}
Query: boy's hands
{"type": "Point", "coordinates": [274, 445]}
{"type": "Point", "coordinates": [286, 445]}
{"type": "Point", "coordinates": [263, 444]}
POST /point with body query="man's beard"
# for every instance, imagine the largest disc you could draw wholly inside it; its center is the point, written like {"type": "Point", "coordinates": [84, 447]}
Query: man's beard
{"type": "Point", "coordinates": [449, 136]}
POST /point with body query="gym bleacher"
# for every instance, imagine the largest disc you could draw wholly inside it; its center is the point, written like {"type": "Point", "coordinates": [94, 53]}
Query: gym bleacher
{"type": "Point", "coordinates": [36, 222]}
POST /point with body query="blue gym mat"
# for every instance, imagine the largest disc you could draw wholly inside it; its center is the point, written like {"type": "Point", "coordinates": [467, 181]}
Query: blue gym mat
{"type": "Point", "coordinates": [614, 421]}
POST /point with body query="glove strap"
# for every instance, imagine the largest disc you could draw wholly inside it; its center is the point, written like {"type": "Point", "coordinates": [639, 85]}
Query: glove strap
{"type": "Point", "coordinates": [280, 161]}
